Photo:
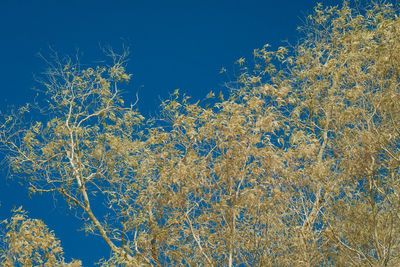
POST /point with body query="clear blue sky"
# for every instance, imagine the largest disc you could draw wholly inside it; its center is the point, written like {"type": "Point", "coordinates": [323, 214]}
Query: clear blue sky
{"type": "Point", "coordinates": [174, 44]}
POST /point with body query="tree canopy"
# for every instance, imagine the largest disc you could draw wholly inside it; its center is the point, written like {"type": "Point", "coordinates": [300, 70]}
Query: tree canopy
{"type": "Point", "coordinates": [298, 166]}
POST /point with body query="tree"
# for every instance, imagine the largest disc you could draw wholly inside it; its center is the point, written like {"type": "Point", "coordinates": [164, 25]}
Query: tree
{"type": "Point", "coordinates": [29, 242]}
{"type": "Point", "coordinates": [299, 166]}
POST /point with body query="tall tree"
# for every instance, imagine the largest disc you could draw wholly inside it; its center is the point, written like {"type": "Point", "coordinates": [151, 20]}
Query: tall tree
{"type": "Point", "coordinates": [298, 166]}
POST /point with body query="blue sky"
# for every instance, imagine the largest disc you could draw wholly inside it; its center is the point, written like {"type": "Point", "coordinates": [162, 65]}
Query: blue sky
{"type": "Point", "coordinates": [173, 44]}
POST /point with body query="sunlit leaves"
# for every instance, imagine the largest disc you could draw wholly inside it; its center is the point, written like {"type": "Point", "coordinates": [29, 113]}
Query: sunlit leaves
{"type": "Point", "coordinates": [28, 242]}
{"type": "Point", "coordinates": [299, 166]}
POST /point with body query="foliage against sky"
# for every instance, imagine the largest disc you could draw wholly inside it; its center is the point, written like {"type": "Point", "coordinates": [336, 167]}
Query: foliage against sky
{"type": "Point", "coordinates": [298, 166]}
{"type": "Point", "coordinates": [173, 44]}
{"type": "Point", "coordinates": [28, 242]}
